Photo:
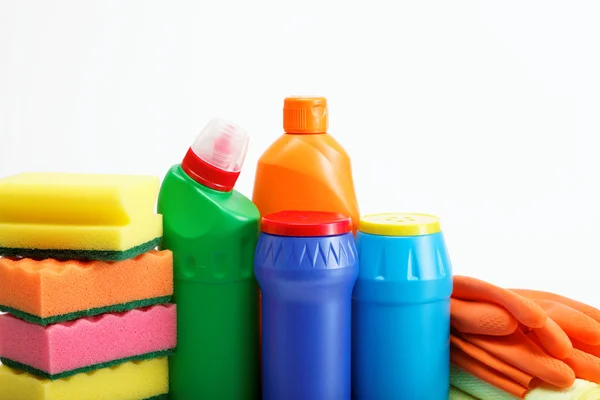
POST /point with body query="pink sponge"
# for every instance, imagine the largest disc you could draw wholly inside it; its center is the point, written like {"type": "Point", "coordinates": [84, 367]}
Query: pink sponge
{"type": "Point", "coordinates": [65, 349]}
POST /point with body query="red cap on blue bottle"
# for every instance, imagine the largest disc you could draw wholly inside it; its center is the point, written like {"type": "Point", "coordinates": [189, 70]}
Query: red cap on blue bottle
{"type": "Point", "coordinates": [216, 157]}
{"type": "Point", "coordinates": [306, 223]}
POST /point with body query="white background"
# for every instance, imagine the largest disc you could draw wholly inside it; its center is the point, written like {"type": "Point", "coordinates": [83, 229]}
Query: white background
{"type": "Point", "coordinates": [484, 113]}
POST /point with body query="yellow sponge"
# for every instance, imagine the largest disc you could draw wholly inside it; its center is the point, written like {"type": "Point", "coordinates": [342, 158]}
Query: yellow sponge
{"type": "Point", "coordinates": [78, 216]}
{"type": "Point", "coordinates": [135, 380]}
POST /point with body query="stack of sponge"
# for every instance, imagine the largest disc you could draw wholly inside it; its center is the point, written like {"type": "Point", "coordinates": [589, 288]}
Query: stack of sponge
{"type": "Point", "coordinates": [85, 291]}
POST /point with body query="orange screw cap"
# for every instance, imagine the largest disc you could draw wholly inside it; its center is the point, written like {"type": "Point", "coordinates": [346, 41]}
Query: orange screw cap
{"type": "Point", "coordinates": [305, 115]}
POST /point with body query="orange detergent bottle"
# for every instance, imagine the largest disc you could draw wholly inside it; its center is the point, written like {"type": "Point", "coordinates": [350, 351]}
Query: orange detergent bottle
{"type": "Point", "coordinates": [306, 168]}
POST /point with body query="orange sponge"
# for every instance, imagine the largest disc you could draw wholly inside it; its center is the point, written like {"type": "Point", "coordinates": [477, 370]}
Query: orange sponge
{"type": "Point", "coordinates": [50, 291]}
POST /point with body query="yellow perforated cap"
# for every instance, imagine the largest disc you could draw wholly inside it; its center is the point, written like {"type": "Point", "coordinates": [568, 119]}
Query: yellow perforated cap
{"type": "Point", "coordinates": [399, 224]}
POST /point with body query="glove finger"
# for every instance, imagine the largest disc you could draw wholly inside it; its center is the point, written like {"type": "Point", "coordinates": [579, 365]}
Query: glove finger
{"type": "Point", "coordinates": [486, 374]}
{"type": "Point", "coordinates": [554, 340]}
{"type": "Point", "coordinates": [586, 366]}
{"type": "Point", "coordinates": [593, 350]}
{"type": "Point", "coordinates": [481, 318]}
{"type": "Point", "coordinates": [522, 308]}
{"type": "Point", "coordinates": [576, 324]}
{"type": "Point", "coordinates": [590, 311]}
{"type": "Point", "coordinates": [519, 351]}
{"type": "Point", "coordinates": [491, 361]}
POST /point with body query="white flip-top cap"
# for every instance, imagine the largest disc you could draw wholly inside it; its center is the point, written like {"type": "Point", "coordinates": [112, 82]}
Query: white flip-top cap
{"type": "Point", "coordinates": [222, 144]}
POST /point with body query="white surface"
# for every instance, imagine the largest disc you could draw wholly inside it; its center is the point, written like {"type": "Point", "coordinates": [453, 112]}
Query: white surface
{"type": "Point", "coordinates": [484, 113]}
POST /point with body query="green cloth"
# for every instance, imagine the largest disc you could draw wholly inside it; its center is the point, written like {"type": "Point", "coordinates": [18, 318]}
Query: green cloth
{"type": "Point", "coordinates": [581, 390]}
{"type": "Point", "coordinates": [465, 384]}
{"type": "Point", "coordinates": [457, 394]}
{"type": "Point", "coordinates": [475, 386]}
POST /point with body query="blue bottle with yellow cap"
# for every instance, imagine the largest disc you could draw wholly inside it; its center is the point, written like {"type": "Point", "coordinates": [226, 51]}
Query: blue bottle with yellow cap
{"type": "Point", "coordinates": [401, 309]}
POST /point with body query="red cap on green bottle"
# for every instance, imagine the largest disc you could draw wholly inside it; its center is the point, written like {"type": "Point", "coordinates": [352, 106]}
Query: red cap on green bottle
{"type": "Point", "coordinates": [217, 155]}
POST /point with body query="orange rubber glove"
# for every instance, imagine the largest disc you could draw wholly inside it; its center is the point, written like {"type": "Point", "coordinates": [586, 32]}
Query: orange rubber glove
{"type": "Point", "coordinates": [501, 367]}
{"type": "Point", "coordinates": [552, 338]}
{"type": "Point", "coordinates": [513, 307]}
{"type": "Point", "coordinates": [521, 308]}
{"type": "Point", "coordinates": [521, 352]}
{"type": "Point", "coordinates": [593, 350]}
{"type": "Point", "coordinates": [487, 317]}
{"type": "Point", "coordinates": [580, 322]}
{"type": "Point", "coordinates": [585, 366]}
{"type": "Point", "coordinates": [590, 311]}
{"type": "Point", "coordinates": [481, 318]}
{"type": "Point", "coordinates": [487, 374]}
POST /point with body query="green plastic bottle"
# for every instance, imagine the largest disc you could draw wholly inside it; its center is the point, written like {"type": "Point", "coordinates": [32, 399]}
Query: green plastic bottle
{"type": "Point", "coordinates": [212, 230]}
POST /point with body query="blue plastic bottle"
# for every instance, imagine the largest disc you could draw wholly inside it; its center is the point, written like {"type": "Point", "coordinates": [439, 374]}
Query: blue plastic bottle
{"type": "Point", "coordinates": [401, 310]}
{"type": "Point", "coordinates": [306, 265]}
